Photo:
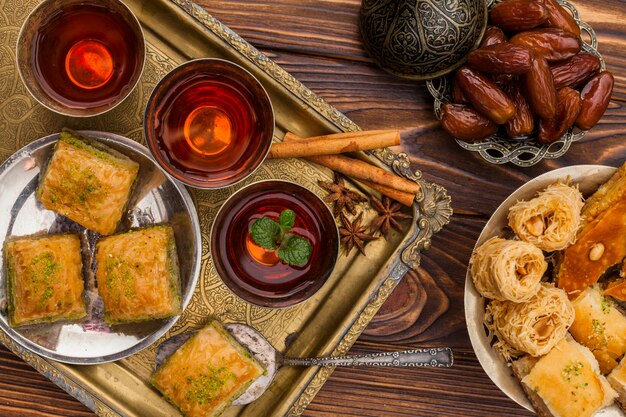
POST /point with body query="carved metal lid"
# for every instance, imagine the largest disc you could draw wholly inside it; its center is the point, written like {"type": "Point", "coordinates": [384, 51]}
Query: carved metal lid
{"type": "Point", "coordinates": [421, 39]}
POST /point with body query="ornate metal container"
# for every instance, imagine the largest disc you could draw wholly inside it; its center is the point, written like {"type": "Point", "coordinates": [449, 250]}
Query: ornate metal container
{"type": "Point", "coordinates": [421, 39]}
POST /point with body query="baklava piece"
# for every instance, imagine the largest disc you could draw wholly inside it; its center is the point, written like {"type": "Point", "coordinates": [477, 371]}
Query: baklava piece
{"type": "Point", "coordinates": [600, 326]}
{"type": "Point", "coordinates": [617, 379]}
{"type": "Point", "coordinates": [207, 373]}
{"type": "Point", "coordinates": [138, 275]}
{"type": "Point", "coordinates": [44, 279]}
{"type": "Point", "coordinates": [87, 182]}
{"type": "Point", "coordinates": [564, 383]}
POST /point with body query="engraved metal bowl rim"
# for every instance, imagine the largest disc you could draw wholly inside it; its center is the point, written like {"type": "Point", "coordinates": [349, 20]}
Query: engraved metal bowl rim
{"type": "Point", "coordinates": [278, 303]}
{"type": "Point", "coordinates": [208, 62]}
{"type": "Point", "coordinates": [123, 142]}
{"type": "Point", "coordinates": [38, 93]}
{"type": "Point", "coordinates": [515, 150]}
{"type": "Point", "coordinates": [492, 362]}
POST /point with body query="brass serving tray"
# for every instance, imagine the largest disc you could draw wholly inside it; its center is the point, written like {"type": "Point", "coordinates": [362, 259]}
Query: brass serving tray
{"type": "Point", "coordinates": [327, 324]}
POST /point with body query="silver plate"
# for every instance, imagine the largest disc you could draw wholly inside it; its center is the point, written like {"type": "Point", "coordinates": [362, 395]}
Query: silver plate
{"type": "Point", "coordinates": [156, 198]}
{"type": "Point", "coordinates": [588, 178]}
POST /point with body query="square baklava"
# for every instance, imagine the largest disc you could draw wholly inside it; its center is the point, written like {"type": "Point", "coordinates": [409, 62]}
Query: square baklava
{"type": "Point", "coordinates": [138, 275]}
{"type": "Point", "coordinates": [208, 372]}
{"type": "Point", "coordinates": [44, 279]}
{"type": "Point", "coordinates": [87, 182]}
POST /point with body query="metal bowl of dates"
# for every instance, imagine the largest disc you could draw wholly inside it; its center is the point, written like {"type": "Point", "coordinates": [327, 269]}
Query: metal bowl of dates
{"type": "Point", "coordinates": [421, 39]}
{"type": "Point", "coordinates": [531, 147]}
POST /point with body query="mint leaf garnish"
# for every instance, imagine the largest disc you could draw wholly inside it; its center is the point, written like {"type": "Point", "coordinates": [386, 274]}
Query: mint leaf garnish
{"type": "Point", "coordinates": [269, 234]}
{"type": "Point", "coordinates": [286, 220]}
{"type": "Point", "coordinates": [265, 232]}
{"type": "Point", "coordinates": [295, 250]}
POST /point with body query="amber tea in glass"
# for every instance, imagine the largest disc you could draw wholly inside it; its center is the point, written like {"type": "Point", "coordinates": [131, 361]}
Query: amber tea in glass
{"type": "Point", "coordinates": [86, 55]}
{"type": "Point", "coordinates": [256, 274]}
{"type": "Point", "coordinates": [209, 123]}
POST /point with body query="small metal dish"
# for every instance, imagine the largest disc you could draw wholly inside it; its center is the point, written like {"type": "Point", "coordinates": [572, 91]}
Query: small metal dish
{"type": "Point", "coordinates": [29, 33]}
{"type": "Point", "coordinates": [588, 178]}
{"type": "Point", "coordinates": [523, 152]}
{"type": "Point", "coordinates": [229, 252]}
{"type": "Point", "coordinates": [156, 198]}
{"type": "Point", "coordinates": [219, 86]}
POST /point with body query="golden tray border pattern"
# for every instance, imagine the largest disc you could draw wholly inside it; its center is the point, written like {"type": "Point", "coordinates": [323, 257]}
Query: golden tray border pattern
{"type": "Point", "coordinates": [432, 210]}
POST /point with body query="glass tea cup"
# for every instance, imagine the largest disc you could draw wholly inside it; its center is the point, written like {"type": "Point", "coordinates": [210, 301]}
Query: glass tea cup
{"type": "Point", "coordinates": [258, 275]}
{"type": "Point", "coordinates": [209, 123]}
{"type": "Point", "coordinates": [81, 57]}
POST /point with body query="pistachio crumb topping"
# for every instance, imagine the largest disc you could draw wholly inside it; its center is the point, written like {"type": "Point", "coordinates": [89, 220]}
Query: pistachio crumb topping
{"type": "Point", "coordinates": [605, 305]}
{"type": "Point", "coordinates": [119, 277]}
{"type": "Point", "coordinates": [206, 386]}
{"type": "Point", "coordinates": [42, 270]}
{"type": "Point", "coordinates": [598, 335]}
{"type": "Point", "coordinates": [571, 370]}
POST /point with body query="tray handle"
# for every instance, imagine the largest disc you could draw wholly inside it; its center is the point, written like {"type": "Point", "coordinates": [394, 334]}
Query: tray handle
{"type": "Point", "coordinates": [431, 211]}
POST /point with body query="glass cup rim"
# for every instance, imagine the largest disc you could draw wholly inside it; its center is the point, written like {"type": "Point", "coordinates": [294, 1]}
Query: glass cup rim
{"type": "Point", "coordinates": [38, 94]}
{"type": "Point", "coordinates": [149, 110]}
{"type": "Point", "coordinates": [283, 302]}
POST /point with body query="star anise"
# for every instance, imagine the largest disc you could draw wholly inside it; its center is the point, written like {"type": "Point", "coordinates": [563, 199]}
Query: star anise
{"type": "Point", "coordinates": [389, 215]}
{"type": "Point", "coordinates": [353, 234]}
{"type": "Point", "coordinates": [341, 195]}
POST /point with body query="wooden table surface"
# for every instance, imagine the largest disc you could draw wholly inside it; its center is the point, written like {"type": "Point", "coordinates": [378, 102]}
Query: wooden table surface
{"type": "Point", "coordinates": [318, 42]}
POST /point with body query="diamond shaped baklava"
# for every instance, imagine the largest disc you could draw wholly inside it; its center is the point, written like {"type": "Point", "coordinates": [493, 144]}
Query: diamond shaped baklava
{"type": "Point", "coordinates": [44, 279]}
{"type": "Point", "coordinates": [208, 372]}
{"type": "Point", "coordinates": [87, 182]}
{"type": "Point", "coordinates": [138, 275]}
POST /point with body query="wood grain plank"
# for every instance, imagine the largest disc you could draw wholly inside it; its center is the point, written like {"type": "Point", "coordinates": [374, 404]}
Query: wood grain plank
{"type": "Point", "coordinates": [318, 42]}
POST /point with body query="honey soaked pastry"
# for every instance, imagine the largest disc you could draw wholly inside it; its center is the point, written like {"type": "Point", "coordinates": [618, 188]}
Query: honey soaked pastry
{"type": "Point", "coordinates": [551, 220]}
{"type": "Point", "coordinates": [601, 243]}
{"type": "Point", "coordinates": [564, 383]}
{"type": "Point", "coordinates": [534, 327]}
{"type": "Point", "coordinates": [208, 372]}
{"type": "Point", "coordinates": [507, 269]}
{"type": "Point", "coordinates": [138, 276]}
{"type": "Point", "coordinates": [601, 327]}
{"type": "Point", "coordinates": [617, 288]}
{"type": "Point", "coordinates": [607, 195]}
{"type": "Point", "coordinates": [88, 182]}
{"type": "Point", "coordinates": [44, 280]}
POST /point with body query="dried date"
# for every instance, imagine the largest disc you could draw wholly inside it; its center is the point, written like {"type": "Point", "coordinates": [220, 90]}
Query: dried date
{"type": "Point", "coordinates": [485, 95]}
{"type": "Point", "coordinates": [493, 36]}
{"type": "Point", "coordinates": [501, 58]}
{"type": "Point", "coordinates": [539, 89]}
{"type": "Point", "coordinates": [569, 105]}
{"type": "Point", "coordinates": [553, 44]}
{"type": "Point", "coordinates": [523, 122]}
{"type": "Point", "coordinates": [465, 123]}
{"type": "Point", "coordinates": [457, 94]}
{"type": "Point", "coordinates": [560, 18]}
{"type": "Point", "coordinates": [575, 70]}
{"type": "Point", "coordinates": [514, 15]}
{"type": "Point", "coordinates": [595, 95]}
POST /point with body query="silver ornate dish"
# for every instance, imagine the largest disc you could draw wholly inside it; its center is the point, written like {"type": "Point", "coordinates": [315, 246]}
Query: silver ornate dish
{"type": "Point", "coordinates": [588, 178]}
{"type": "Point", "coordinates": [156, 198]}
{"type": "Point", "coordinates": [524, 152]}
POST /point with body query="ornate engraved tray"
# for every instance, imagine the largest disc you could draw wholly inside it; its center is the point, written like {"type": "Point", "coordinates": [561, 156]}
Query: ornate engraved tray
{"type": "Point", "coordinates": [330, 322]}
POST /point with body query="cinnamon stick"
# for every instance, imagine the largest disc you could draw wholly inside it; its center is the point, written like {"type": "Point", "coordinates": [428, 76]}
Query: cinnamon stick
{"type": "Point", "coordinates": [334, 144]}
{"type": "Point", "coordinates": [364, 172]}
{"type": "Point", "coordinates": [360, 170]}
{"type": "Point", "coordinates": [401, 197]}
